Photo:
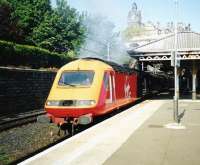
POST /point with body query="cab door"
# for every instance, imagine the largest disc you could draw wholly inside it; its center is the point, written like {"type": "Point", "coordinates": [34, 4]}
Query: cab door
{"type": "Point", "coordinates": [110, 87]}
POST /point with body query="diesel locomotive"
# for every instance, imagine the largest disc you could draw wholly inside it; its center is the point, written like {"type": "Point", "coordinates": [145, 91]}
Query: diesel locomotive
{"type": "Point", "coordinates": [86, 88]}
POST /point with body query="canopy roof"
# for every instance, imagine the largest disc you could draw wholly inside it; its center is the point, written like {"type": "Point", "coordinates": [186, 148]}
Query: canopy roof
{"type": "Point", "coordinates": [160, 50]}
{"type": "Point", "coordinates": [187, 41]}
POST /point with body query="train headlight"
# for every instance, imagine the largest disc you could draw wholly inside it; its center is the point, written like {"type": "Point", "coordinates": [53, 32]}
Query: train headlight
{"type": "Point", "coordinates": [85, 102]}
{"type": "Point", "coordinates": [53, 103]}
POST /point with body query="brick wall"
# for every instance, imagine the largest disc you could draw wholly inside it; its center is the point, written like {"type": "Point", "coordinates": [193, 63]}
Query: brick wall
{"type": "Point", "coordinates": [23, 90]}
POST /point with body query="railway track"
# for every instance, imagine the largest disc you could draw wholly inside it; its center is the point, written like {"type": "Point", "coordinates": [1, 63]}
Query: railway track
{"type": "Point", "coordinates": [7, 122]}
{"type": "Point", "coordinates": [98, 120]}
{"type": "Point", "coordinates": [38, 130]}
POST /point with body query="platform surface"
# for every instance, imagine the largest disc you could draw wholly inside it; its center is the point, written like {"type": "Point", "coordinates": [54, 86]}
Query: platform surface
{"type": "Point", "coordinates": [137, 136]}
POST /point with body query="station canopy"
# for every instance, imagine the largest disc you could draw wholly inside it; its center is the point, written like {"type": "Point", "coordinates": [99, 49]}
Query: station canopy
{"type": "Point", "coordinates": [160, 51]}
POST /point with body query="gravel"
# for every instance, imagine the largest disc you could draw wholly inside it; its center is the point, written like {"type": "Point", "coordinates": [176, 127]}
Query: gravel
{"type": "Point", "coordinates": [22, 141]}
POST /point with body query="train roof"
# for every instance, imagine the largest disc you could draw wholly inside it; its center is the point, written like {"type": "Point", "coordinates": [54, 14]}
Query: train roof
{"type": "Point", "coordinates": [125, 69]}
{"type": "Point", "coordinates": [115, 66]}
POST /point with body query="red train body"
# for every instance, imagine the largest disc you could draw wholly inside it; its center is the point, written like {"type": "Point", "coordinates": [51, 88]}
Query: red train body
{"type": "Point", "coordinates": [86, 88]}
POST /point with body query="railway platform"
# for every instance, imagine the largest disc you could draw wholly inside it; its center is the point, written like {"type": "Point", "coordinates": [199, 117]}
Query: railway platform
{"type": "Point", "coordinates": [141, 135]}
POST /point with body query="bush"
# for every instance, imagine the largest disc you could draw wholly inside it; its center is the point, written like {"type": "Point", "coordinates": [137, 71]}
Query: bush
{"type": "Point", "coordinates": [30, 56]}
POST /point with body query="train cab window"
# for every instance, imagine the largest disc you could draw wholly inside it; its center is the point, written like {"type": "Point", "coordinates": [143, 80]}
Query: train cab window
{"type": "Point", "coordinates": [76, 78]}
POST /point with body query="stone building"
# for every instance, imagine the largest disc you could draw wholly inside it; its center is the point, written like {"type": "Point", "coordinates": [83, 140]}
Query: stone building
{"type": "Point", "coordinates": [134, 16]}
{"type": "Point", "coordinates": [150, 31]}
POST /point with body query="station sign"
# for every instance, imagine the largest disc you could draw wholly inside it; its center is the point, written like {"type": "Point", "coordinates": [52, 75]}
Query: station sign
{"type": "Point", "coordinates": [175, 59]}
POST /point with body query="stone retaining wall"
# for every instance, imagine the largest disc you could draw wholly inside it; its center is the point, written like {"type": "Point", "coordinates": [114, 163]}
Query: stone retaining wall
{"type": "Point", "coordinates": [23, 90]}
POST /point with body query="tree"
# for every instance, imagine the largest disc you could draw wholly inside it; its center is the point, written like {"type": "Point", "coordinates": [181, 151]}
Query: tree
{"type": "Point", "coordinates": [34, 22]}
{"type": "Point", "coordinates": [8, 27]}
{"type": "Point", "coordinates": [5, 13]}
{"type": "Point", "coordinates": [28, 14]}
{"type": "Point", "coordinates": [61, 30]}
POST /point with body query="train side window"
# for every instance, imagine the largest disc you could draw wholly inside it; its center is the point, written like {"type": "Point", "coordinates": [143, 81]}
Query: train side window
{"type": "Point", "coordinates": [106, 81]}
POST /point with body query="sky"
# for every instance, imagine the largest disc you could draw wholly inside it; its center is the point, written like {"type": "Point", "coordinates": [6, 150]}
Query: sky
{"type": "Point", "coordinates": [152, 10]}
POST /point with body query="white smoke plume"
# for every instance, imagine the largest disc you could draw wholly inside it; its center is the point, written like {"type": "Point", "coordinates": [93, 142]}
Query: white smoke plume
{"type": "Point", "coordinates": [99, 36]}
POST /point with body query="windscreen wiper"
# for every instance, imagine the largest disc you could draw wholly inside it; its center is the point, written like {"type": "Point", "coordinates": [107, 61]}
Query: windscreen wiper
{"type": "Point", "coordinates": [72, 85]}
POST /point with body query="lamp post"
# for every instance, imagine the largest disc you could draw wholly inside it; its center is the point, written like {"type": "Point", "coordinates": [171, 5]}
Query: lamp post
{"type": "Point", "coordinates": [108, 51]}
{"type": "Point", "coordinates": [175, 61]}
{"type": "Point", "coordinates": [110, 44]}
{"type": "Point", "coordinates": [176, 64]}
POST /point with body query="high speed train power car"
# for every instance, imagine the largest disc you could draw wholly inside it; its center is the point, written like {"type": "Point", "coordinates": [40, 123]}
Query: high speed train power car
{"type": "Point", "coordinates": [87, 88]}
